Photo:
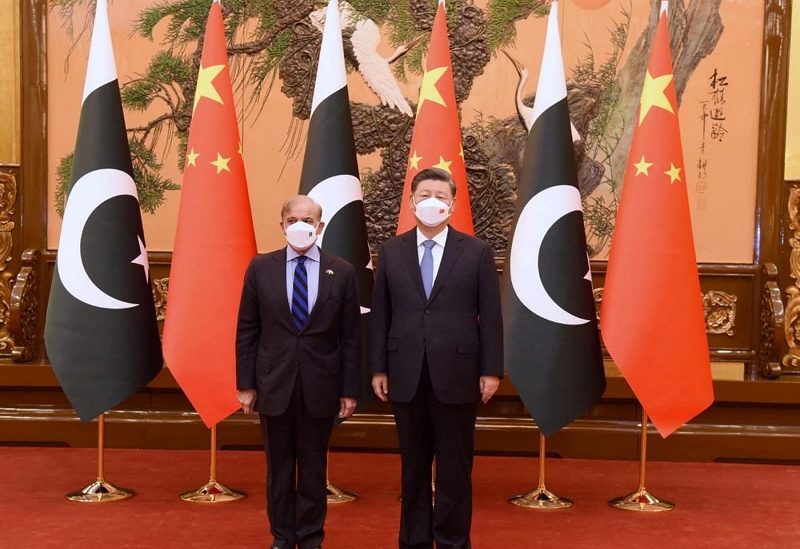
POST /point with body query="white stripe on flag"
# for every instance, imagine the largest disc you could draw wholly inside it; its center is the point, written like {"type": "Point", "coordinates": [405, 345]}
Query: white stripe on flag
{"type": "Point", "coordinates": [331, 75]}
{"type": "Point", "coordinates": [101, 68]}
{"type": "Point", "coordinates": [551, 87]}
{"type": "Point", "coordinates": [333, 194]}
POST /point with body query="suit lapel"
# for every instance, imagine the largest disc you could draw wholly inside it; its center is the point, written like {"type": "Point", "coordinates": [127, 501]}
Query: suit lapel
{"type": "Point", "coordinates": [411, 256]}
{"type": "Point", "coordinates": [452, 250]}
{"type": "Point", "coordinates": [277, 274]}
{"type": "Point", "coordinates": [324, 287]}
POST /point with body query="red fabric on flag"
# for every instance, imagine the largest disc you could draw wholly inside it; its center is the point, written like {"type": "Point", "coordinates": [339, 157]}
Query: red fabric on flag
{"type": "Point", "coordinates": [214, 242]}
{"type": "Point", "coordinates": [652, 314]}
{"type": "Point", "coordinates": [437, 131]}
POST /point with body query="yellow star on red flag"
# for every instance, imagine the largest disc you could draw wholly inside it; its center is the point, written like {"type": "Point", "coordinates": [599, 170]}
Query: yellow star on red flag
{"type": "Point", "coordinates": [673, 173]}
{"type": "Point", "coordinates": [653, 94]}
{"type": "Point", "coordinates": [205, 87]}
{"type": "Point", "coordinates": [428, 90]}
{"type": "Point", "coordinates": [221, 163]}
{"type": "Point", "coordinates": [642, 166]}
{"type": "Point", "coordinates": [413, 160]}
{"type": "Point", "coordinates": [191, 158]}
{"type": "Point", "coordinates": [443, 164]}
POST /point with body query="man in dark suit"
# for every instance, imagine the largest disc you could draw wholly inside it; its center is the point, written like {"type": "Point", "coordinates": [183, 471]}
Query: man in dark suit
{"type": "Point", "coordinates": [435, 349]}
{"type": "Point", "coordinates": [297, 363]}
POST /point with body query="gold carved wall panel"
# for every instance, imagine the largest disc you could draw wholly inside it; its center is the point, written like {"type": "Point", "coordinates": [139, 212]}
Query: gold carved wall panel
{"type": "Point", "coordinates": [8, 199]}
{"type": "Point", "coordinates": [10, 106]}
{"type": "Point", "coordinates": [791, 360]}
{"type": "Point", "coordinates": [719, 310]}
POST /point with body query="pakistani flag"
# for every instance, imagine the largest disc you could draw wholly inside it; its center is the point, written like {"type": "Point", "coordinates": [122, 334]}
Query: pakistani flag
{"type": "Point", "coordinates": [101, 333]}
{"type": "Point", "coordinates": [552, 346]}
{"type": "Point", "coordinates": [330, 170]}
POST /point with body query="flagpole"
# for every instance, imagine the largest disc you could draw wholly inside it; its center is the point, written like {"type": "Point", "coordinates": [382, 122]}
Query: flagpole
{"type": "Point", "coordinates": [541, 497]}
{"type": "Point", "coordinates": [212, 491]}
{"type": "Point", "coordinates": [100, 491]}
{"type": "Point", "coordinates": [641, 499]}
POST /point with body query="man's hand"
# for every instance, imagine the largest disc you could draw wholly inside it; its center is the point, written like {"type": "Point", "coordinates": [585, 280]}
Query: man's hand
{"type": "Point", "coordinates": [489, 385]}
{"type": "Point", "coordinates": [346, 407]}
{"type": "Point", "coordinates": [380, 384]}
{"type": "Point", "coordinates": [247, 399]}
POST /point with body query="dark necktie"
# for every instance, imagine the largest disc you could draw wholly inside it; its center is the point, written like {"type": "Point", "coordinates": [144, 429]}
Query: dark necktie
{"type": "Point", "coordinates": [426, 267]}
{"type": "Point", "coordinates": [300, 294]}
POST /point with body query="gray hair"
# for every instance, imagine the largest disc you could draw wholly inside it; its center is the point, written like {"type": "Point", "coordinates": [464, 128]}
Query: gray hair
{"type": "Point", "coordinates": [294, 200]}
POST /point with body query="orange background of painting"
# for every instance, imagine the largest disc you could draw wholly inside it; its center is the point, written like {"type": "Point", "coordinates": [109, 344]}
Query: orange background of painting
{"type": "Point", "coordinates": [723, 215]}
{"type": "Point", "coordinates": [10, 141]}
{"type": "Point", "coordinates": [793, 111]}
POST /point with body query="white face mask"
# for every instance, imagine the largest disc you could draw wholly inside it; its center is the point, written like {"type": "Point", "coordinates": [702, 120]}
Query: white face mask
{"type": "Point", "coordinates": [301, 235]}
{"type": "Point", "coordinates": [432, 212]}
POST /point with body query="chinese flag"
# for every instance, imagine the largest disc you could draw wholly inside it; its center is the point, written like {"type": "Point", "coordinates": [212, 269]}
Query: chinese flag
{"type": "Point", "coordinates": [213, 244]}
{"type": "Point", "coordinates": [436, 142]}
{"type": "Point", "coordinates": [652, 314]}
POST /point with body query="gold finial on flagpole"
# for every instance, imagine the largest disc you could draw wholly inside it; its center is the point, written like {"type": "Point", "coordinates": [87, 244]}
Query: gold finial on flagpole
{"type": "Point", "coordinates": [541, 497]}
{"type": "Point", "coordinates": [641, 499]}
{"type": "Point", "coordinates": [100, 491]}
{"type": "Point", "coordinates": [212, 491]}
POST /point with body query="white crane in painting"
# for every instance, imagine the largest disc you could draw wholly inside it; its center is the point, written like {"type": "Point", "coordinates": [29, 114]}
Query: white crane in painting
{"type": "Point", "coordinates": [373, 67]}
{"type": "Point", "coordinates": [524, 111]}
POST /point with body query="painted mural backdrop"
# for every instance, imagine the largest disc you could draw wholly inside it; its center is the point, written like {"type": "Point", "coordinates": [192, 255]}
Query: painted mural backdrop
{"type": "Point", "coordinates": [496, 49]}
{"type": "Point", "coordinates": [793, 114]}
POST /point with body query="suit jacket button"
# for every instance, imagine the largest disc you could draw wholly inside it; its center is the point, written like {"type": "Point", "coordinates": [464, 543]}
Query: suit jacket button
{"type": "Point", "coordinates": [427, 311]}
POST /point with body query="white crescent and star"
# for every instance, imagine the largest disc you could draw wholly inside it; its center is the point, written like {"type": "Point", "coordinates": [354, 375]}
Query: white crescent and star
{"type": "Point", "coordinates": [333, 194]}
{"type": "Point", "coordinates": [88, 193]}
{"type": "Point", "coordinates": [535, 220]}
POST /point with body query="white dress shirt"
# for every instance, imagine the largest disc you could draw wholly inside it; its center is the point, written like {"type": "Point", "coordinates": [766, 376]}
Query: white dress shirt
{"type": "Point", "coordinates": [437, 251]}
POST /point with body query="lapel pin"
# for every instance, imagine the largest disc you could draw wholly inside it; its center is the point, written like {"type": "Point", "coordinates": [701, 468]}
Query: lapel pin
{"type": "Point", "coordinates": [329, 271]}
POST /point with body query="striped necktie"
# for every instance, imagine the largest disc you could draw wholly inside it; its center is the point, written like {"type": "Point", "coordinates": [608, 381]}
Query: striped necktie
{"type": "Point", "coordinates": [300, 294]}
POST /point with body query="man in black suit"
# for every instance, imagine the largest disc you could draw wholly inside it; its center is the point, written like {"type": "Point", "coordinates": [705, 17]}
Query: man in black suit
{"type": "Point", "coordinates": [297, 363]}
{"type": "Point", "coordinates": [435, 349]}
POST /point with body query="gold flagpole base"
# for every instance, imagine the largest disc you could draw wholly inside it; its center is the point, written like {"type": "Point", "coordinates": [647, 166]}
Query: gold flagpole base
{"type": "Point", "coordinates": [337, 495]}
{"type": "Point", "coordinates": [212, 492]}
{"type": "Point", "coordinates": [99, 491]}
{"type": "Point", "coordinates": [541, 498]}
{"type": "Point", "coordinates": [643, 501]}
